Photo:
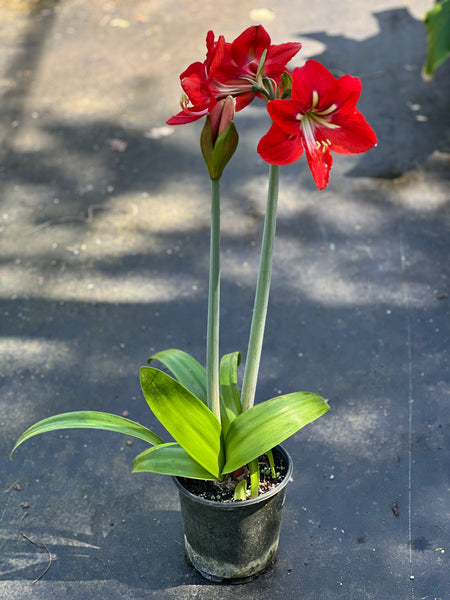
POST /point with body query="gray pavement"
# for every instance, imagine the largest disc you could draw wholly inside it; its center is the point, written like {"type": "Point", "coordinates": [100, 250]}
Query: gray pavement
{"type": "Point", "coordinates": [104, 215]}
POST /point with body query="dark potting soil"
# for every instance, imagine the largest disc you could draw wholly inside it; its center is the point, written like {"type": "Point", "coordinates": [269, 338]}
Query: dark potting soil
{"type": "Point", "coordinates": [223, 491]}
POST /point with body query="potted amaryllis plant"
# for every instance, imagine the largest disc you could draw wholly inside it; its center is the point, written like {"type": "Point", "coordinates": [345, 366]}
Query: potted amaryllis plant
{"type": "Point", "coordinates": [225, 455]}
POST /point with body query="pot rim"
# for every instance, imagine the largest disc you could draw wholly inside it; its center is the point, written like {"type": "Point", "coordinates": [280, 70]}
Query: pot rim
{"type": "Point", "coordinates": [244, 503]}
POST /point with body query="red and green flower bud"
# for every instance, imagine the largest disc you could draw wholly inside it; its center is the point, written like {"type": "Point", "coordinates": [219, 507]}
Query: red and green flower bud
{"type": "Point", "coordinates": [221, 116]}
{"type": "Point", "coordinates": [219, 138]}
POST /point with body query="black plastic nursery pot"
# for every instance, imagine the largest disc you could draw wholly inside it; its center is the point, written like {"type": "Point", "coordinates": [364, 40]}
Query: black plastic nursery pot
{"type": "Point", "coordinates": [234, 542]}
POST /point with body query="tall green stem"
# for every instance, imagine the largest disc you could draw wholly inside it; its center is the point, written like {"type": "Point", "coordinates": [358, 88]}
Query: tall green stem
{"type": "Point", "coordinates": [262, 294]}
{"type": "Point", "coordinates": [212, 336]}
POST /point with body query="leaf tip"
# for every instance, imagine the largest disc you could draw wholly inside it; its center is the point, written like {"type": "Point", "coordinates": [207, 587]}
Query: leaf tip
{"type": "Point", "coordinates": [16, 445]}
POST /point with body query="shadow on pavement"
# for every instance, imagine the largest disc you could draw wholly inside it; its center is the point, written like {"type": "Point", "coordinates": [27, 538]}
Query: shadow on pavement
{"type": "Point", "coordinates": [365, 268]}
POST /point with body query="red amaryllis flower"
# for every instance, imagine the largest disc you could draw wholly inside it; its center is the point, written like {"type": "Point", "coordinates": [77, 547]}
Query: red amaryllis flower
{"type": "Point", "coordinates": [320, 116]}
{"type": "Point", "coordinates": [238, 75]}
{"type": "Point", "coordinates": [230, 69]}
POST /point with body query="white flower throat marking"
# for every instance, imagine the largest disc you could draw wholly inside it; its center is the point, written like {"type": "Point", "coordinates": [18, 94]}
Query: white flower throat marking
{"type": "Point", "coordinates": [312, 119]}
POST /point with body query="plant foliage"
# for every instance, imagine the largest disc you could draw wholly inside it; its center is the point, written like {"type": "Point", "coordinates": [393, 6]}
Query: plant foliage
{"type": "Point", "coordinates": [437, 22]}
{"type": "Point", "coordinates": [204, 448]}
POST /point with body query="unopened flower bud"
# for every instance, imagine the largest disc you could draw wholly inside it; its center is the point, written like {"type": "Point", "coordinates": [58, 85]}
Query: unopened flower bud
{"type": "Point", "coordinates": [221, 116]}
{"type": "Point", "coordinates": [219, 137]}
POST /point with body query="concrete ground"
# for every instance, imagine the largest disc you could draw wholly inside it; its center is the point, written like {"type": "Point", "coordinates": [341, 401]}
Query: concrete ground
{"type": "Point", "coordinates": [104, 260]}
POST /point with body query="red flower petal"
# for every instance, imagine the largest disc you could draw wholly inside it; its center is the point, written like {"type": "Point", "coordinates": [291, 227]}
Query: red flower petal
{"type": "Point", "coordinates": [353, 136]}
{"type": "Point", "coordinates": [284, 114]}
{"type": "Point", "coordinates": [312, 77]}
{"type": "Point", "coordinates": [243, 100]}
{"type": "Point", "coordinates": [250, 45]}
{"type": "Point", "coordinates": [184, 117]}
{"type": "Point", "coordinates": [344, 94]}
{"type": "Point", "coordinates": [194, 90]}
{"type": "Point", "coordinates": [278, 56]}
{"type": "Point", "coordinates": [320, 165]}
{"type": "Point", "coordinates": [197, 69]}
{"type": "Point", "coordinates": [216, 53]}
{"type": "Point", "coordinates": [279, 148]}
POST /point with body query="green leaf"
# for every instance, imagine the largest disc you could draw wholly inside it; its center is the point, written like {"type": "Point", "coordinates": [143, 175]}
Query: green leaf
{"type": "Point", "coordinates": [185, 417]}
{"type": "Point", "coordinates": [169, 459]}
{"type": "Point", "coordinates": [89, 420]}
{"type": "Point", "coordinates": [230, 405]}
{"type": "Point", "coordinates": [253, 467]}
{"type": "Point", "coordinates": [185, 369]}
{"type": "Point", "coordinates": [240, 491]}
{"type": "Point", "coordinates": [437, 21]}
{"type": "Point", "coordinates": [269, 455]}
{"type": "Point", "coordinates": [266, 425]}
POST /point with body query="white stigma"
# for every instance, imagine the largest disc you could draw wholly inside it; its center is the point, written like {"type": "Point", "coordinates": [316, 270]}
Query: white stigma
{"type": "Point", "coordinates": [307, 125]}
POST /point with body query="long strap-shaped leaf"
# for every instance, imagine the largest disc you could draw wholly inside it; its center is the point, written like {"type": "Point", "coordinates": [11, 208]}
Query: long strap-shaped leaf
{"type": "Point", "coordinates": [230, 400]}
{"type": "Point", "coordinates": [185, 417]}
{"type": "Point", "coordinates": [169, 459]}
{"type": "Point", "coordinates": [265, 425]}
{"type": "Point", "coordinates": [89, 420]}
{"type": "Point", "coordinates": [186, 370]}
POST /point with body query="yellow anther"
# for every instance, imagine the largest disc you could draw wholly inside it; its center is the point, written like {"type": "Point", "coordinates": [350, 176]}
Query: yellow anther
{"type": "Point", "coordinates": [323, 145]}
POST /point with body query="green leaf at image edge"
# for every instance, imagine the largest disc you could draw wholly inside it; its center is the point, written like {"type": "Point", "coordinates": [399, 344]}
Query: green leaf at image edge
{"type": "Point", "coordinates": [89, 420]}
{"type": "Point", "coordinates": [266, 425]}
{"type": "Point", "coordinates": [169, 459]}
{"type": "Point", "coordinates": [437, 21]}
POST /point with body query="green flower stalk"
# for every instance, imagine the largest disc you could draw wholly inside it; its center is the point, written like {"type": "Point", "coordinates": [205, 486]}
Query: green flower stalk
{"type": "Point", "coordinates": [218, 141]}
{"type": "Point", "coordinates": [212, 335]}
{"type": "Point", "coordinates": [262, 294]}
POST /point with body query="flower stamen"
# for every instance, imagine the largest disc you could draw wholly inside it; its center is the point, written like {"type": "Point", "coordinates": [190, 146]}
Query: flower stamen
{"type": "Point", "coordinates": [324, 145]}
{"type": "Point", "coordinates": [224, 89]}
{"type": "Point", "coordinates": [315, 99]}
{"type": "Point", "coordinates": [323, 121]}
{"type": "Point", "coordinates": [327, 111]}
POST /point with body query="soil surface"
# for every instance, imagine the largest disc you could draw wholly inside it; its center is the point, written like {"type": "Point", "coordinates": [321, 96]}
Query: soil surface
{"type": "Point", "coordinates": [223, 491]}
